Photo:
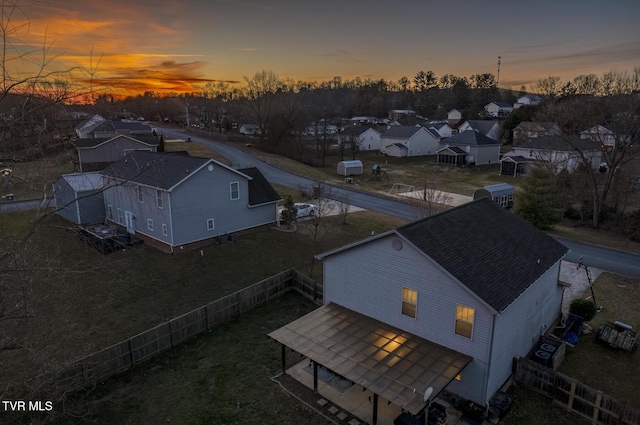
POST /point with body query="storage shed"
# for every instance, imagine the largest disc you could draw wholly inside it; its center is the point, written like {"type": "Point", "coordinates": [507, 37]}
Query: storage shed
{"type": "Point", "coordinates": [350, 168]}
{"type": "Point", "coordinates": [78, 197]}
{"type": "Point", "coordinates": [501, 194]}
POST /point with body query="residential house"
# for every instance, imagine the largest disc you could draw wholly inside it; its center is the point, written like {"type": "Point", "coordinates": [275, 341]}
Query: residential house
{"type": "Point", "coordinates": [600, 134]}
{"type": "Point", "coordinates": [446, 303]}
{"type": "Point", "coordinates": [468, 147]}
{"type": "Point", "coordinates": [366, 138]}
{"type": "Point", "coordinates": [249, 129]}
{"type": "Point", "coordinates": [113, 128]}
{"type": "Point", "coordinates": [82, 130]}
{"type": "Point", "coordinates": [454, 116]}
{"type": "Point", "coordinates": [78, 197]}
{"type": "Point", "coordinates": [406, 141]}
{"type": "Point", "coordinates": [498, 109]}
{"type": "Point", "coordinates": [97, 153]}
{"type": "Point", "coordinates": [527, 100]}
{"type": "Point", "coordinates": [533, 129]}
{"type": "Point", "coordinates": [490, 128]}
{"type": "Point", "coordinates": [396, 114]}
{"type": "Point", "coordinates": [560, 153]}
{"type": "Point", "coordinates": [443, 129]}
{"type": "Point", "coordinates": [176, 202]}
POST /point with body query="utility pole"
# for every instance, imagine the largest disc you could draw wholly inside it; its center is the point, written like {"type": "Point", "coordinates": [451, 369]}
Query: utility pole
{"type": "Point", "coordinates": [498, 77]}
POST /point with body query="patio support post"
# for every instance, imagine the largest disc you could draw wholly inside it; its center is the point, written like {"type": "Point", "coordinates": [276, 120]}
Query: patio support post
{"type": "Point", "coordinates": [315, 377]}
{"type": "Point", "coordinates": [284, 358]}
{"type": "Point", "coordinates": [375, 409]}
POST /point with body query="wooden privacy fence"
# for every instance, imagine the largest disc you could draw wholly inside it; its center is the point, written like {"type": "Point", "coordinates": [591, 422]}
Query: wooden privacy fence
{"type": "Point", "coordinates": [576, 397]}
{"type": "Point", "coordinates": [126, 354]}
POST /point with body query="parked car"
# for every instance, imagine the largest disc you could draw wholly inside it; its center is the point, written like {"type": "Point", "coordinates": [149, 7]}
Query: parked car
{"type": "Point", "coordinates": [305, 210]}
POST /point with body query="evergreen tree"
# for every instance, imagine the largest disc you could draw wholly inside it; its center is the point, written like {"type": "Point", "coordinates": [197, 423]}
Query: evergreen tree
{"type": "Point", "coordinates": [536, 200]}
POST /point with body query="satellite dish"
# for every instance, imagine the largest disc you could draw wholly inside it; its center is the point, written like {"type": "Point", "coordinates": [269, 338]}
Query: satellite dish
{"type": "Point", "coordinates": [427, 393]}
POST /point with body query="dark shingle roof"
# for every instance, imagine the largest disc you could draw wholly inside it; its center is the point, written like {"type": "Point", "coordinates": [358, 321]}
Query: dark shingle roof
{"type": "Point", "coordinates": [162, 170]}
{"type": "Point", "coordinates": [260, 190]}
{"type": "Point", "coordinates": [470, 137]}
{"type": "Point", "coordinates": [401, 131]}
{"type": "Point", "coordinates": [492, 251]}
{"type": "Point", "coordinates": [560, 144]}
{"type": "Point", "coordinates": [91, 142]}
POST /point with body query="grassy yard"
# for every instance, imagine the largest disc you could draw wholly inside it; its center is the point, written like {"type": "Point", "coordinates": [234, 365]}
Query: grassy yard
{"type": "Point", "coordinates": [223, 376]}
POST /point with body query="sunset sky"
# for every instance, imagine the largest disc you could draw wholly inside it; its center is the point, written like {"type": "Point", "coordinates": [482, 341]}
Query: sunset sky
{"type": "Point", "coordinates": [180, 45]}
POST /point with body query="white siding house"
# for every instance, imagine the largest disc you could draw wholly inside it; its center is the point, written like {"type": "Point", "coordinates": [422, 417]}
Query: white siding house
{"type": "Point", "coordinates": [560, 153]}
{"type": "Point", "coordinates": [416, 140]}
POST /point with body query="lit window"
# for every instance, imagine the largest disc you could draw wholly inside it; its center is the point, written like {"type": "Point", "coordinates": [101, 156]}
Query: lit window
{"type": "Point", "coordinates": [210, 224]}
{"type": "Point", "coordinates": [165, 230]}
{"type": "Point", "coordinates": [235, 190]}
{"type": "Point", "coordinates": [409, 302]}
{"type": "Point", "coordinates": [150, 224]}
{"type": "Point", "coordinates": [159, 198]}
{"type": "Point", "coordinates": [464, 321]}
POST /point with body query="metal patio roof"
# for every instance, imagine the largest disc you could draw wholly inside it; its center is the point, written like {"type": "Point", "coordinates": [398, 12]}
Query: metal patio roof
{"type": "Point", "coordinates": [392, 363]}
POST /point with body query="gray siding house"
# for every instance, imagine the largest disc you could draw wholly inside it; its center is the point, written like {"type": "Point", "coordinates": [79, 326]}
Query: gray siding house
{"type": "Point", "coordinates": [96, 153]}
{"type": "Point", "coordinates": [407, 140]}
{"type": "Point", "coordinates": [176, 202]}
{"type": "Point", "coordinates": [469, 147]}
{"type": "Point", "coordinates": [476, 280]}
{"type": "Point", "coordinates": [78, 197]}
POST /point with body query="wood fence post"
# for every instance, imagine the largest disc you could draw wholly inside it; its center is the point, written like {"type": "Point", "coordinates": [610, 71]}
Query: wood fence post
{"type": "Point", "coordinates": [572, 394]}
{"type": "Point", "coordinates": [596, 408]}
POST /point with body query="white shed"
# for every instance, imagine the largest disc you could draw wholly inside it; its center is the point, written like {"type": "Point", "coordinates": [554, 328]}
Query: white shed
{"type": "Point", "coordinates": [350, 168]}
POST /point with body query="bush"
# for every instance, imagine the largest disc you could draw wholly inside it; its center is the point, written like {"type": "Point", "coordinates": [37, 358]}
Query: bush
{"type": "Point", "coordinates": [583, 308]}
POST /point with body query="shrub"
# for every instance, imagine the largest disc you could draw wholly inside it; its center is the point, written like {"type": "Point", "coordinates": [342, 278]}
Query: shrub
{"type": "Point", "coordinates": [583, 308]}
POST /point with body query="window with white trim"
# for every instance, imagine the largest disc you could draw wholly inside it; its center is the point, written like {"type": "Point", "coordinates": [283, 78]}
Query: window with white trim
{"type": "Point", "coordinates": [464, 320]}
{"type": "Point", "coordinates": [235, 190]}
{"type": "Point", "coordinates": [109, 212]}
{"type": "Point", "coordinates": [409, 302]}
{"type": "Point", "coordinates": [210, 224]}
{"type": "Point", "coordinates": [165, 230]}
{"type": "Point", "coordinates": [140, 197]}
{"type": "Point", "coordinates": [120, 217]}
{"type": "Point", "coordinates": [159, 200]}
{"type": "Point", "coordinates": [150, 224]}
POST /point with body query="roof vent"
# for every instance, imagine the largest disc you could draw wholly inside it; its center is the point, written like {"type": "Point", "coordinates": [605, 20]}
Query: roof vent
{"type": "Point", "coordinates": [397, 244]}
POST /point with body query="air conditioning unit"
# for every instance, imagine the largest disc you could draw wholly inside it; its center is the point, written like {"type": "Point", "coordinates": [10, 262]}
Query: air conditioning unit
{"type": "Point", "coordinates": [348, 180]}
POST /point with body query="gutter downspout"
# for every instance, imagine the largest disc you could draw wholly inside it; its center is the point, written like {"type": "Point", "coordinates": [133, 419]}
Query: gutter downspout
{"type": "Point", "coordinates": [488, 369]}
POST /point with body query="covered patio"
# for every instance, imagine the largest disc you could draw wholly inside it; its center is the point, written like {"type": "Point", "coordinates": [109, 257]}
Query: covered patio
{"type": "Point", "coordinates": [452, 155]}
{"type": "Point", "coordinates": [402, 368]}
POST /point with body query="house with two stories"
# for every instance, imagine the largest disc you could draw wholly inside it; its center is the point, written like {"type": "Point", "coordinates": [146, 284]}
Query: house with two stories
{"type": "Point", "coordinates": [97, 153]}
{"type": "Point", "coordinates": [468, 147]}
{"type": "Point", "coordinates": [366, 138]}
{"type": "Point", "coordinates": [559, 153]}
{"type": "Point", "coordinates": [498, 109]}
{"type": "Point", "coordinates": [407, 141]}
{"type": "Point", "coordinates": [176, 202]}
{"type": "Point", "coordinates": [533, 129]}
{"type": "Point", "coordinates": [443, 303]}
{"type": "Point", "coordinates": [89, 123]}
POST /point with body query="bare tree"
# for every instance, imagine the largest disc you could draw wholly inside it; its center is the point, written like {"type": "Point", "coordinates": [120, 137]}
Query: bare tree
{"type": "Point", "coordinates": [549, 86]}
{"type": "Point", "coordinates": [619, 144]}
{"type": "Point", "coordinates": [259, 92]}
{"type": "Point", "coordinates": [434, 197]}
